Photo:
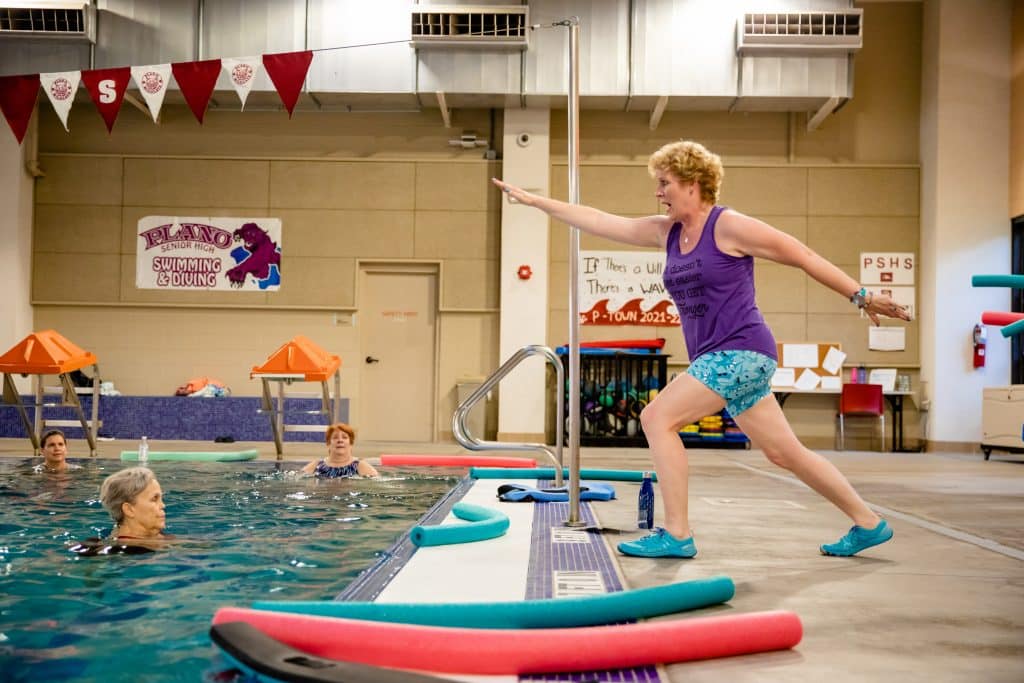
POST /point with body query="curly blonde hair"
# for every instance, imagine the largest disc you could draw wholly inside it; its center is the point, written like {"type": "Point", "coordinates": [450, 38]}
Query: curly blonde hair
{"type": "Point", "coordinates": [690, 161]}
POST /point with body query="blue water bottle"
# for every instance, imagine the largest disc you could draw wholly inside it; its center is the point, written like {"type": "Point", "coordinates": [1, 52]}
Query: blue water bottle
{"type": "Point", "coordinates": [645, 506]}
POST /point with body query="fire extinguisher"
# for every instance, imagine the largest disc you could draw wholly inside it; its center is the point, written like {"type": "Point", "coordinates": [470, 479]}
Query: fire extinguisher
{"type": "Point", "coordinates": [980, 337]}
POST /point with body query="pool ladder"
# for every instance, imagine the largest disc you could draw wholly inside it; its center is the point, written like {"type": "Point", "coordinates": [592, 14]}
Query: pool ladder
{"type": "Point", "coordinates": [468, 441]}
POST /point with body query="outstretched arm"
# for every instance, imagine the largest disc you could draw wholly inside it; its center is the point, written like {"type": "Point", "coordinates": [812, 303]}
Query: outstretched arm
{"type": "Point", "coordinates": [649, 231]}
{"type": "Point", "coordinates": [742, 235]}
{"type": "Point", "coordinates": [309, 467]}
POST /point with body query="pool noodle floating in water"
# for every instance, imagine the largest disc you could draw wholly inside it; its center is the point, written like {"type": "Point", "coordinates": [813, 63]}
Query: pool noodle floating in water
{"type": "Point", "coordinates": [520, 651]}
{"type": "Point", "coordinates": [225, 456]}
{"type": "Point", "coordinates": [482, 524]}
{"type": "Point", "coordinates": [589, 610]}
{"type": "Point", "coordinates": [396, 459]}
{"type": "Point", "coordinates": [549, 473]}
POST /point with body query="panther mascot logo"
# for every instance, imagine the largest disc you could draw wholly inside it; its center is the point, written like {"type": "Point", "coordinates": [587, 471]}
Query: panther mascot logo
{"type": "Point", "coordinates": [262, 253]}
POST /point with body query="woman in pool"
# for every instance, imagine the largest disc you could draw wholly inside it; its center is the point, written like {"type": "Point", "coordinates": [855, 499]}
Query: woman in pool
{"type": "Point", "coordinates": [340, 462]}
{"type": "Point", "coordinates": [54, 446]}
{"type": "Point", "coordinates": [135, 501]}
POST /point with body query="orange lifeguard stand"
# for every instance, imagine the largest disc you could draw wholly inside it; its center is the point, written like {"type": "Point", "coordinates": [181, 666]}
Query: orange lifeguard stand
{"type": "Point", "coordinates": [48, 353]}
{"type": "Point", "coordinates": [299, 360]}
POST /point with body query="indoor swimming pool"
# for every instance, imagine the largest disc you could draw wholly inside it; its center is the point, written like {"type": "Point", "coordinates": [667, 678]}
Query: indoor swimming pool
{"type": "Point", "coordinates": [245, 532]}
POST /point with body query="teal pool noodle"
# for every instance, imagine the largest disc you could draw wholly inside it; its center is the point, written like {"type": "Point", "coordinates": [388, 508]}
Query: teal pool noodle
{"type": "Point", "coordinates": [1012, 329]}
{"type": "Point", "coordinates": [193, 455]}
{"type": "Point", "coordinates": [590, 610]}
{"type": "Point", "coordinates": [482, 523]}
{"type": "Point", "coordinates": [549, 473]}
{"type": "Point", "coordinates": [1014, 281]}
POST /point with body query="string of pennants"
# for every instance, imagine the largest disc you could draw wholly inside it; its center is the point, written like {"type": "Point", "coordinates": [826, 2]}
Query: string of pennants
{"type": "Point", "coordinates": [107, 87]}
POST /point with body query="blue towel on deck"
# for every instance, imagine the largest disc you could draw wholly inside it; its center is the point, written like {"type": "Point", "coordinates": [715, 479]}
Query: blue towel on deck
{"type": "Point", "coordinates": [517, 493]}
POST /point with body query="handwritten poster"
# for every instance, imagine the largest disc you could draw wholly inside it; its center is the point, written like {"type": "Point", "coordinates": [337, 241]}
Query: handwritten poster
{"type": "Point", "coordinates": [213, 253]}
{"type": "Point", "coordinates": [624, 288]}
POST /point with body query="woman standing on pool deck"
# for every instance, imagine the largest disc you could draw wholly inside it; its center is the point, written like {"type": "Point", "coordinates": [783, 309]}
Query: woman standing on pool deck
{"type": "Point", "coordinates": [709, 272]}
{"type": "Point", "coordinates": [340, 462]}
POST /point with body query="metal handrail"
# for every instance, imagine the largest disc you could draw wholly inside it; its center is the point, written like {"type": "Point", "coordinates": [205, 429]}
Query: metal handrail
{"type": "Point", "coordinates": [468, 441]}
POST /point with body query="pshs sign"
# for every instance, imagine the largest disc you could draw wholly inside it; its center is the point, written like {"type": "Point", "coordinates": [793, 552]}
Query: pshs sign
{"type": "Point", "coordinates": [887, 268]}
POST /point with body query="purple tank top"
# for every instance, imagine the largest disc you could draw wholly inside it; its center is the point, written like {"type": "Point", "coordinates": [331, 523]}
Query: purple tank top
{"type": "Point", "coordinates": [714, 294]}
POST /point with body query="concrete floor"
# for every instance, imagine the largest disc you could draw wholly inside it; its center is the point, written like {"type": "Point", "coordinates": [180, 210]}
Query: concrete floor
{"type": "Point", "coordinates": [943, 601]}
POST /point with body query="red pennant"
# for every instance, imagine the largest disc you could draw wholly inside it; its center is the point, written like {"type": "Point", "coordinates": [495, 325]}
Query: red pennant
{"type": "Point", "coordinates": [196, 80]}
{"type": "Point", "coordinates": [18, 100]}
{"type": "Point", "coordinates": [288, 71]}
{"type": "Point", "coordinates": [106, 88]}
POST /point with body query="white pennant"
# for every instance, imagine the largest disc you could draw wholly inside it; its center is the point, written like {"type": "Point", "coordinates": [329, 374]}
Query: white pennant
{"type": "Point", "coordinates": [60, 87]}
{"type": "Point", "coordinates": [152, 84]}
{"type": "Point", "coordinates": [242, 72]}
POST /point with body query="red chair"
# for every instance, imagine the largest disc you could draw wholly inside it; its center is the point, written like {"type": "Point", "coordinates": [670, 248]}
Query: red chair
{"type": "Point", "coordinates": [861, 400]}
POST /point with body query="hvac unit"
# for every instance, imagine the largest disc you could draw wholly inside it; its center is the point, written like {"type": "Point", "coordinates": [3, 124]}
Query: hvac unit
{"type": "Point", "coordinates": [782, 34]}
{"type": "Point", "coordinates": [465, 26]}
{"type": "Point", "coordinates": [62, 20]}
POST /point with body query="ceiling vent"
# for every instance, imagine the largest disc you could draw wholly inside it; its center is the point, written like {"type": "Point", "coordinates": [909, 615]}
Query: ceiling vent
{"type": "Point", "coordinates": [800, 33]}
{"type": "Point", "coordinates": [63, 20]}
{"type": "Point", "coordinates": [464, 26]}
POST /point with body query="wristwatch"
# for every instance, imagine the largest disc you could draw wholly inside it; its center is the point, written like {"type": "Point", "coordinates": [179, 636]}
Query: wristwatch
{"type": "Point", "coordinates": [860, 298]}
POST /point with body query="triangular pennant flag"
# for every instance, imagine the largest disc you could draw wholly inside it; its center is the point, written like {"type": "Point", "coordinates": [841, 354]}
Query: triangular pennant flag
{"type": "Point", "coordinates": [288, 71]}
{"type": "Point", "coordinates": [61, 87]}
{"type": "Point", "coordinates": [106, 88]}
{"type": "Point", "coordinates": [242, 72]}
{"type": "Point", "coordinates": [17, 100]}
{"type": "Point", "coordinates": [196, 80]}
{"type": "Point", "coordinates": [152, 83]}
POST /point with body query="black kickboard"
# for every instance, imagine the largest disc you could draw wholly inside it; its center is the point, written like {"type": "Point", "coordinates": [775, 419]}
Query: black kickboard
{"type": "Point", "coordinates": [272, 658]}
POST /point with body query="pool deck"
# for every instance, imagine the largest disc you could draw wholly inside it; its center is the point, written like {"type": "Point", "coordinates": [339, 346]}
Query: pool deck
{"type": "Point", "coordinates": [943, 601]}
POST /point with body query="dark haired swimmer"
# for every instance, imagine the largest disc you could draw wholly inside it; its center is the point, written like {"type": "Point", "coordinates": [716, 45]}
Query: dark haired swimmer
{"type": "Point", "coordinates": [135, 501]}
{"type": "Point", "coordinates": [340, 462]}
{"type": "Point", "coordinates": [54, 447]}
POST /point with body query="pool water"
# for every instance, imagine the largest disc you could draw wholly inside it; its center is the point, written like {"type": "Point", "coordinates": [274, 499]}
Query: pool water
{"type": "Point", "coordinates": [246, 531]}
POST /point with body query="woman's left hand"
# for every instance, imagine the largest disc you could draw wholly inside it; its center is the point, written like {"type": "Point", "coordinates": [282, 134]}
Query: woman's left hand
{"type": "Point", "coordinates": [883, 304]}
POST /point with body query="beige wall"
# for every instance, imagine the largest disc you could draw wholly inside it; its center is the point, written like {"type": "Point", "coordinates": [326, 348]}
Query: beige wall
{"type": "Point", "coordinates": [411, 200]}
{"type": "Point", "coordinates": [388, 186]}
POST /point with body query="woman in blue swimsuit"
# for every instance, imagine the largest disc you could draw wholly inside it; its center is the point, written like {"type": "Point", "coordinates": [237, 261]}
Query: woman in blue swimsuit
{"type": "Point", "coordinates": [339, 461]}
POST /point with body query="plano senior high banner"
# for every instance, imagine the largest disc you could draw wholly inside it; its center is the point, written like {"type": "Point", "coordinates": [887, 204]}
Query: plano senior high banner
{"type": "Point", "coordinates": [624, 288]}
{"type": "Point", "coordinates": [242, 254]}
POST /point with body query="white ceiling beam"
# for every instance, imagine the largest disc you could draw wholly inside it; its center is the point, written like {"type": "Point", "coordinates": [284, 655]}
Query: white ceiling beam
{"type": "Point", "coordinates": [656, 113]}
{"type": "Point", "coordinates": [140, 105]}
{"type": "Point", "coordinates": [446, 113]}
{"type": "Point", "coordinates": [814, 121]}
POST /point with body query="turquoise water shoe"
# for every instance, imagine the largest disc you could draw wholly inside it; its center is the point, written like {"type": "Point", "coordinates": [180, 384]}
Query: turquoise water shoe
{"type": "Point", "coordinates": [857, 539]}
{"type": "Point", "coordinates": [659, 544]}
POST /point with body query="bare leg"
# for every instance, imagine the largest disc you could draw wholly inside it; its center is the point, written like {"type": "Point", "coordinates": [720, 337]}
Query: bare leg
{"type": "Point", "coordinates": [767, 427]}
{"type": "Point", "coordinates": [683, 401]}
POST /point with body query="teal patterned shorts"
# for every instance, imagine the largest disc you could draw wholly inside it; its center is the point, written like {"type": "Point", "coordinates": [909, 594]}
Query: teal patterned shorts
{"type": "Point", "coordinates": [742, 378]}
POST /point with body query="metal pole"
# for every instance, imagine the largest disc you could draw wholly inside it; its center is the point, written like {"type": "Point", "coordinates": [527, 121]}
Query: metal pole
{"type": "Point", "coordinates": [574, 260]}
